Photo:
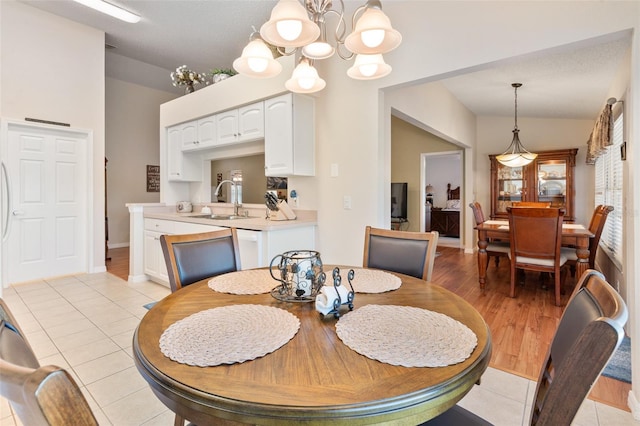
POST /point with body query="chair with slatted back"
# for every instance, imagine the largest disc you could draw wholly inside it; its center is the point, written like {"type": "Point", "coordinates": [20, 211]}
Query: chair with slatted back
{"type": "Point", "coordinates": [536, 237]}
{"type": "Point", "coordinates": [193, 257]}
{"type": "Point", "coordinates": [538, 204]}
{"type": "Point", "coordinates": [495, 249]}
{"type": "Point", "coordinates": [589, 332]}
{"type": "Point", "coordinates": [45, 395]}
{"type": "Point", "coordinates": [598, 220]}
{"type": "Point", "coordinates": [406, 252]}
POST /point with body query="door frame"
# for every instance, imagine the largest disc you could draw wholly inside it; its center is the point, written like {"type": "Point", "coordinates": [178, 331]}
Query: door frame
{"type": "Point", "coordinates": [423, 194]}
{"type": "Point", "coordinates": [9, 124]}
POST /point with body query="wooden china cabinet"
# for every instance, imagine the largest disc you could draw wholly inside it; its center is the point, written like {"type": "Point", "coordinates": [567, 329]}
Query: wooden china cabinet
{"type": "Point", "coordinates": [549, 178]}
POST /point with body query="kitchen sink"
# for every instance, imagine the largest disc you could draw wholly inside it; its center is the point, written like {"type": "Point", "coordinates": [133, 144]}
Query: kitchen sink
{"type": "Point", "coordinates": [220, 216]}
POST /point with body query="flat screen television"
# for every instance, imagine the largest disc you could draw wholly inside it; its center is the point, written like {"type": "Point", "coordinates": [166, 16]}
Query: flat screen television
{"type": "Point", "coordinates": [399, 200]}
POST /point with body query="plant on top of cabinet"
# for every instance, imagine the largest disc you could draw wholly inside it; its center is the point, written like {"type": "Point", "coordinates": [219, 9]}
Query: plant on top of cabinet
{"type": "Point", "coordinates": [183, 76]}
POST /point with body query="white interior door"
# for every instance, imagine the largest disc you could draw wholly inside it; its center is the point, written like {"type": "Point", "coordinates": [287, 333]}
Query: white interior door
{"type": "Point", "coordinates": [48, 186]}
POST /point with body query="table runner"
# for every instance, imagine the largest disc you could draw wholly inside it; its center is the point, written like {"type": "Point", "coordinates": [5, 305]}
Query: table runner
{"type": "Point", "coordinates": [250, 281]}
{"type": "Point", "coordinates": [406, 336]}
{"type": "Point", "coordinates": [228, 335]}
{"type": "Point", "coordinates": [370, 280]}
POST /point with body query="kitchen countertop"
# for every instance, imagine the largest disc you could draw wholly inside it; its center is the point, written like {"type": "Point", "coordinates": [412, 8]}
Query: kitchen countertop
{"type": "Point", "coordinates": [256, 220]}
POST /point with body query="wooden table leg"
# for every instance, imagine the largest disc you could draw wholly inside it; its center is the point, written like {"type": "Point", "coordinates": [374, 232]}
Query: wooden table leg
{"type": "Point", "coordinates": [582, 263]}
{"type": "Point", "coordinates": [482, 260]}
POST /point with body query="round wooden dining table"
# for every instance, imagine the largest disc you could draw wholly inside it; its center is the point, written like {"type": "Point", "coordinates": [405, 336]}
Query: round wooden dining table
{"type": "Point", "coordinates": [314, 378]}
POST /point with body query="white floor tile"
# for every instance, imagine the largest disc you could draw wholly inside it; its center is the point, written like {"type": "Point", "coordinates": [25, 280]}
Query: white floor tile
{"type": "Point", "coordinates": [102, 367]}
{"type": "Point", "coordinates": [85, 324]}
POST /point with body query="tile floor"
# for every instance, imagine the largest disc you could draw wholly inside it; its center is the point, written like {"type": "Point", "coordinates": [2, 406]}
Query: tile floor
{"type": "Point", "coordinates": [85, 324]}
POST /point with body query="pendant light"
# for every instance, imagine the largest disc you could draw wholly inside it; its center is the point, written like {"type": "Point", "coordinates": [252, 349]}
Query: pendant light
{"type": "Point", "coordinates": [516, 154]}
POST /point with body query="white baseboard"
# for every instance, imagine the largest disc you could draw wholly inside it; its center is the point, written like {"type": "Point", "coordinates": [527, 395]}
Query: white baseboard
{"type": "Point", "coordinates": [97, 269]}
{"type": "Point", "coordinates": [118, 245]}
{"type": "Point", "coordinates": [469, 251]}
{"type": "Point", "coordinates": [137, 278]}
{"type": "Point", "coordinates": [634, 405]}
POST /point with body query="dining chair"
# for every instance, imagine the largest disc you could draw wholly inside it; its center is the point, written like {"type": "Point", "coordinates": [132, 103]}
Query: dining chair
{"type": "Point", "coordinates": [495, 249]}
{"type": "Point", "coordinates": [405, 252]}
{"type": "Point", "coordinates": [589, 332]}
{"type": "Point", "coordinates": [598, 220]}
{"type": "Point", "coordinates": [536, 237]}
{"type": "Point", "coordinates": [539, 204]}
{"type": "Point", "coordinates": [39, 395]}
{"type": "Point", "coordinates": [193, 257]}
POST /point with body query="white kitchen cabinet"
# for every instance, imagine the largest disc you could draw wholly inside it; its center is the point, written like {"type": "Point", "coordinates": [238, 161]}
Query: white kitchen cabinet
{"type": "Point", "coordinates": [181, 166]}
{"type": "Point", "coordinates": [257, 248]}
{"type": "Point", "coordinates": [154, 264]}
{"type": "Point", "coordinates": [243, 124]}
{"type": "Point", "coordinates": [289, 136]}
{"type": "Point", "coordinates": [189, 135]}
{"type": "Point", "coordinates": [199, 134]}
{"type": "Point", "coordinates": [227, 127]}
{"type": "Point", "coordinates": [251, 122]}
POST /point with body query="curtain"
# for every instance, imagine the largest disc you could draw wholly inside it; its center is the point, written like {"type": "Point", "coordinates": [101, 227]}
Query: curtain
{"type": "Point", "coordinates": [600, 137]}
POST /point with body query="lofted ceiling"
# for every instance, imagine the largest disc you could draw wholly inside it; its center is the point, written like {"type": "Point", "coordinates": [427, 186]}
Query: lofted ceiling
{"type": "Point", "coordinates": [563, 83]}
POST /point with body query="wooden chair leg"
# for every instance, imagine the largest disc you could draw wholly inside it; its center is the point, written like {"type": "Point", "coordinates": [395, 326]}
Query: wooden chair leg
{"type": "Point", "coordinates": [512, 290]}
{"type": "Point", "coordinates": [558, 289]}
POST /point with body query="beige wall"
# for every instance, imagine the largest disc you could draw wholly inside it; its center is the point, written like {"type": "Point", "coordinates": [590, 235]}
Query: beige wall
{"type": "Point", "coordinates": [408, 142]}
{"type": "Point", "coordinates": [132, 143]}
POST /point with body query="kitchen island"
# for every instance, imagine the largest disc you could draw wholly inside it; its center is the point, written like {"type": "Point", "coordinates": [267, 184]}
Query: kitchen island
{"type": "Point", "coordinates": [259, 238]}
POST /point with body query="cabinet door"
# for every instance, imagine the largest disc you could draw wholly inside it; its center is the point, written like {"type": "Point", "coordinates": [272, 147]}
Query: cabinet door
{"type": "Point", "coordinates": [227, 127]}
{"type": "Point", "coordinates": [154, 264]}
{"type": "Point", "coordinates": [189, 135]}
{"type": "Point", "coordinates": [207, 132]}
{"type": "Point", "coordinates": [251, 122]}
{"type": "Point", "coordinates": [278, 136]}
{"type": "Point", "coordinates": [174, 153]}
{"type": "Point", "coordinates": [181, 166]}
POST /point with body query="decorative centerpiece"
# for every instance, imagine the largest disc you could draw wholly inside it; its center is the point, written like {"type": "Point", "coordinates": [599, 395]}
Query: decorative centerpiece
{"type": "Point", "coordinates": [331, 298]}
{"type": "Point", "coordinates": [186, 77]}
{"type": "Point", "coordinates": [219, 74]}
{"type": "Point", "coordinates": [301, 275]}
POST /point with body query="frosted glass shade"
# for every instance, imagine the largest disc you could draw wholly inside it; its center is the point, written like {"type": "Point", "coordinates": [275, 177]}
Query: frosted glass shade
{"type": "Point", "coordinates": [373, 34]}
{"type": "Point", "coordinates": [289, 25]}
{"type": "Point", "coordinates": [305, 79]}
{"type": "Point", "coordinates": [369, 67]}
{"type": "Point", "coordinates": [257, 61]}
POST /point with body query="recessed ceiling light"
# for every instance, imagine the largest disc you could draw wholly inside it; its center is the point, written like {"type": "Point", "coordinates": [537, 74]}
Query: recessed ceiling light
{"type": "Point", "coordinates": [109, 9]}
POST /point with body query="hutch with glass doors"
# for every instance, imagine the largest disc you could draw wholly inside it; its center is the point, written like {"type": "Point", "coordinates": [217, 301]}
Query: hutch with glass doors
{"type": "Point", "coordinates": [549, 178]}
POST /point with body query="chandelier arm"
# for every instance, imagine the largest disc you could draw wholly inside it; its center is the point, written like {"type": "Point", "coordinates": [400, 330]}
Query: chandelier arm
{"type": "Point", "coordinates": [283, 51]}
{"type": "Point", "coordinates": [346, 57]}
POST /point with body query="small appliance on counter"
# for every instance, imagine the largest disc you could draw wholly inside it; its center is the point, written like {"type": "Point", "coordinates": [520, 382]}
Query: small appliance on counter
{"type": "Point", "coordinates": [278, 209]}
{"type": "Point", "coordinates": [184, 207]}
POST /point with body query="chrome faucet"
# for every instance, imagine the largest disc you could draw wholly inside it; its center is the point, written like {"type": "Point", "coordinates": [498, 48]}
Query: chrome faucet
{"type": "Point", "coordinates": [236, 204]}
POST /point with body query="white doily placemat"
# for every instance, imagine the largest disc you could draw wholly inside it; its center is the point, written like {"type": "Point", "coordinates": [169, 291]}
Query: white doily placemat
{"type": "Point", "coordinates": [371, 281]}
{"type": "Point", "coordinates": [228, 335]}
{"type": "Point", "coordinates": [251, 281]}
{"type": "Point", "coordinates": [406, 336]}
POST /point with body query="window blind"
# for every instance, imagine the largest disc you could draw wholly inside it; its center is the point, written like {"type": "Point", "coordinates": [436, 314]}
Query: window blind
{"type": "Point", "coordinates": [608, 190]}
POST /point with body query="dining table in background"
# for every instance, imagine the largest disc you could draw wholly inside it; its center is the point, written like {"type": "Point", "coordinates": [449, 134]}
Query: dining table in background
{"type": "Point", "coordinates": [573, 235]}
{"type": "Point", "coordinates": [315, 378]}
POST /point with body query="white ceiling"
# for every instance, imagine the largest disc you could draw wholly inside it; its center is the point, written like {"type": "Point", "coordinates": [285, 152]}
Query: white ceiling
{"type": "Point", "coordinates": [565, 83]}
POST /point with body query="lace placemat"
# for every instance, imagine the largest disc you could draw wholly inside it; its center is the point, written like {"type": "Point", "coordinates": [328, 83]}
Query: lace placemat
{"type": "Point", "coordinates": [228, 335]}
{"type": "Point", "coordinates": [371, 281]}
{"type": "Point", "coordinates": [406, 336]}
{"type": "Point", "coordinates": [251, 281]}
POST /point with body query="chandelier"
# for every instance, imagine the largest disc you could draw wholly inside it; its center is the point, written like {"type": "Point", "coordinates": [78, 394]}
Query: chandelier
{"type": "Point", "coordinates": [295, 27]}
{"type": "Point", "coordinates": [516, 154]}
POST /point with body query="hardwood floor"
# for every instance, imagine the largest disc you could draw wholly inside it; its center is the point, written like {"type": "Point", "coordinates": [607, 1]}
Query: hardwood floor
{"type": "Point", "coordinates": [521, 328]}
